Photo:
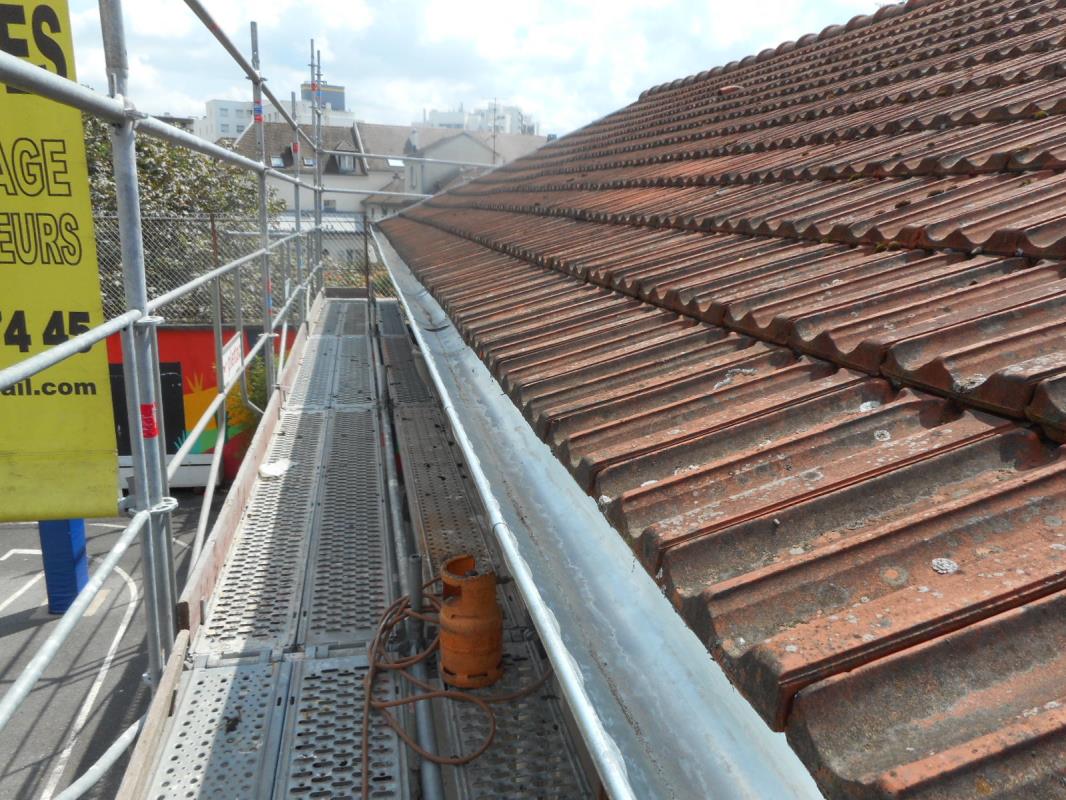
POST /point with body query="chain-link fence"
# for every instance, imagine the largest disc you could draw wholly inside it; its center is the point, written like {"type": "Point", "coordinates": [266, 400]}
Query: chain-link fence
{"type": "Point", "coordinates": [180, 248]}
{"type": "Point", "coordinates": [346, 251]}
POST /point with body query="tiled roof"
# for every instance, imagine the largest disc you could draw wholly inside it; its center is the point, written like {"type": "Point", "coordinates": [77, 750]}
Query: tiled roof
{"type": "Point", "coordinates": [397, 184]}
{"type": "Point", "coordinates": [799, 325]}
{"type": "Point", "coordinates": [392, 140]}
{"type": "Point", "coordinates": [279, 138]}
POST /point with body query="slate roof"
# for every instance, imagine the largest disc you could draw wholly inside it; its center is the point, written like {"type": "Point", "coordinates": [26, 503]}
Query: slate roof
{"type": "Point", "coordinates": [799, 325]}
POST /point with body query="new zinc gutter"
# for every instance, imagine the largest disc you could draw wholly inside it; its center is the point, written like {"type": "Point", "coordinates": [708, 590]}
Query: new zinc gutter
{"type": "Point", "coordinates": [602, 747]}
{"type": "Point", "coordinates": [658, 716]}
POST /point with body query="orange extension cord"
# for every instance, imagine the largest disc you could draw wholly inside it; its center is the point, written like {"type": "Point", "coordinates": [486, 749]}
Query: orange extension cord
{"type": "Point", "coordinates": [379, 660]}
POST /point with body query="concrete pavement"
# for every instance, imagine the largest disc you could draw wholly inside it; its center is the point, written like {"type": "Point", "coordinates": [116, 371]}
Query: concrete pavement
{"type": "Point", "coordinates": [93, 690]}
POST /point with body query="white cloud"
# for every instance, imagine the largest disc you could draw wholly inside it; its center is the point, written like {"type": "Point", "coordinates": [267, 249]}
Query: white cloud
{"type": "Point", "coordinates": [566, 63]}
{"type": "Point", "coordinates": [159, 19]}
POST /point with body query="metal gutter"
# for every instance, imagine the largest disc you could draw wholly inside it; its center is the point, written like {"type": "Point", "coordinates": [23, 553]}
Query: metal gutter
{"type": "Point", "coordinates": [408, 573]}
{"type": "Point", "coordinates": [658, 716]}
{"type": "Point", "coordinates": [415, 159]}
{"type": "Point", "coordinates": [338, 190]}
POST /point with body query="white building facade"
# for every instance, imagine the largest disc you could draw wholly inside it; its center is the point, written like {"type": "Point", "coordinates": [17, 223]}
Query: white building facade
{"type": "Point", "coordinates": [225, 119]}
{"type": "Point", "coordinates": [505, 119]}
{"type": "Point", "coordinates": [304, 115]}
{"type": "Point", "coordinates": [228, 119]}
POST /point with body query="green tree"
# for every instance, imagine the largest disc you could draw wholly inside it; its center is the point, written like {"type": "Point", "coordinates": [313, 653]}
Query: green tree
{"type": "Point", "coordinates": [173, 180]}
{"type": "Point", "coordinates": [181, 193]}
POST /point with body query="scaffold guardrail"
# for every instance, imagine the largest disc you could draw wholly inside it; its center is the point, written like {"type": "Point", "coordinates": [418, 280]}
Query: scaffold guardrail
{"type": "Point", "coordinates": [298, 257]}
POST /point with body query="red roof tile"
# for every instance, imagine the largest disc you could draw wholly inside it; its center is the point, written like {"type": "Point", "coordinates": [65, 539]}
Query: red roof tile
{"type": "Point", "coordinates": [796, 323]}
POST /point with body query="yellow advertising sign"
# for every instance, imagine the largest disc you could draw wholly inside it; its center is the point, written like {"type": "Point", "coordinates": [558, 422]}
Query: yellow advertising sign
{"type": "Point", "coordinates": [57, 434]}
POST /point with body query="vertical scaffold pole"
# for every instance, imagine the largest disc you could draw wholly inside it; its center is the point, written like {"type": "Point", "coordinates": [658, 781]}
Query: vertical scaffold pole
{"type": "Point", "coordinates": [220, 416]}
{"type": "Point", "coordinates": [316, 78]}
{"type": "Point", "coordinates": [264, 232]}
{"type": "Point", "coordinates": [297, 212]}
{"type": "Point", "coordinates": [366, 254]}
{"type": "Point", "coordinates": [140, 370]}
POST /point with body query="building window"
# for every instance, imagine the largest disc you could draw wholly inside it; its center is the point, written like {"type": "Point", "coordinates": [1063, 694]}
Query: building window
{"type": "Point", "coordinates": [309, 162]}
{"type": "Point", "coordinates": [351, 256]}
{"type": "Point", "coordinates": [240, 128]}
{"type": "Point", "coordinates": [223, 112]}
{"type": "Point", "coordinates": [346, 163]}
{"type": "Point", "coordinates": [224, 127]}
{"type": "Point", "coordinates": [329, 205]}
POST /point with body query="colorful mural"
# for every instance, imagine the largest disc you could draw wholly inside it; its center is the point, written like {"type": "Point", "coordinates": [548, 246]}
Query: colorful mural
{"type": "Point", "coordinates": [187, 373]}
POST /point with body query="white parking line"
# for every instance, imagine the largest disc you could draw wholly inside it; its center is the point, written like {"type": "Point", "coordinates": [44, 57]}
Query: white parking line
{"type": "Point", "coordinates": [90, 699]}
{"type": "Point", "coordinates": [19, 551]}
{"type": "Point", "coordinates": [25, 588]}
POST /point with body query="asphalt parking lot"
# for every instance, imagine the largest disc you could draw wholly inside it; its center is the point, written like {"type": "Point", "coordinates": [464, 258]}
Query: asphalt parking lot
{"type": "Point", "coordinates": [93, 690]}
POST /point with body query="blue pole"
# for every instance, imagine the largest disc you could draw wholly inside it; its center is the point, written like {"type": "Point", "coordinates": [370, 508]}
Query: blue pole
{"type": "Point", "coordinates": [66, 563]}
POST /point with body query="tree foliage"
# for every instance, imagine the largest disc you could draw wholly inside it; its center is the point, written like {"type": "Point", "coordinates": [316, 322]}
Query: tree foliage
{"type": "Point", "coordinates": [173, 180]}
{"type": "Point", "coordinates": [182, 194]}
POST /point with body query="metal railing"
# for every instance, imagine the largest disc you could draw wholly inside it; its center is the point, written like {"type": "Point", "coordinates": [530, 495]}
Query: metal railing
{"type": "Point", "coordinates": [413, 159]}
{"type": "Point", "coordinates": [293, 262]}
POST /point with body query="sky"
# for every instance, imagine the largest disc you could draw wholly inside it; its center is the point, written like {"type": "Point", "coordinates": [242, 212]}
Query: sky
{"type": "Point", "coordinates": [566, 63]}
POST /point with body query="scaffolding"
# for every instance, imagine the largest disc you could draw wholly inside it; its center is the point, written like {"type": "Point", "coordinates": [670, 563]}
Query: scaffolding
{"type": "Point", "coordinates": [296, 258]}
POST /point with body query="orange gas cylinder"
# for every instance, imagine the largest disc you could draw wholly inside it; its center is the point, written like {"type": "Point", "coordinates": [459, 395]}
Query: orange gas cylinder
{"type": "Point", "coordinates": [471, 626]}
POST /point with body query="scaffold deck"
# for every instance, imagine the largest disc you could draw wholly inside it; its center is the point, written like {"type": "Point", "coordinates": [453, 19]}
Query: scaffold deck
{"type": "Point", "coordinates": [270, 703]}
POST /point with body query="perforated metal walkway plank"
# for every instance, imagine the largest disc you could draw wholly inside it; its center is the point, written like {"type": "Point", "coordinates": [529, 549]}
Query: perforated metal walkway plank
{"type": "Point", "coordinates": [291, 728]}
{"type": "Point", "coordinates": [256, 604]}
{"type": "Point", "coordinates": [533, 755]}
{"type": "Point", "coordinates": [271, 702]}
{"type": "Point", "coordinates": [322, 743]}
{"type": "Point", "coordinates": [307, 563]}
{"type": "Point", "coordinates": [390, 320]}
{"type": "Point", "coordinates": [442, 512]}
{"type": "Point", "coordinates": [222, 740]}
{"type": "Point", "coordinates": [257, 712]}
{"type": "Point", "coordinates": [348, 585]}
{"type": "Point", "coordinates": [405, 384]}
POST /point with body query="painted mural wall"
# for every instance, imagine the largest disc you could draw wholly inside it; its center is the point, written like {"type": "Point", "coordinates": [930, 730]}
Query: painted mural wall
{"type": "Point", "coordinates": [187, 375]}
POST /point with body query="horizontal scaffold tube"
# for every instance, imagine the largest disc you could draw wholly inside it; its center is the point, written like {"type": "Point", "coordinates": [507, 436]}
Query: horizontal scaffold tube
{"type": "Point", "coordinates": [22, 74]}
